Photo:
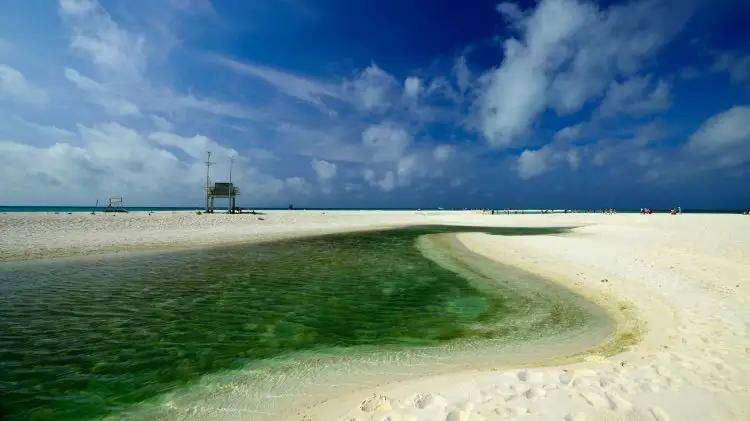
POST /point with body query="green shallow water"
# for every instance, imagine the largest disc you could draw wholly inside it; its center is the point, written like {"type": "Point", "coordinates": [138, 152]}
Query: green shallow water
{"type": "Point", "coordinates": [86, 338]}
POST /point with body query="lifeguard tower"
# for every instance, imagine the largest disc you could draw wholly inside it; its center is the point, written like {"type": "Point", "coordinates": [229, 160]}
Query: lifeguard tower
{"type": "Point", "coordinates": [115, 205]}
{"type": "Point", "coordinates": [221, 190]}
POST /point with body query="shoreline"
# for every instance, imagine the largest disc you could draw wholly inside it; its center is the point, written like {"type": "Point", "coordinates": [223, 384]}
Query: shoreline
{"type": "Point", "coordinates": [690, 363]}
{"type": "Point", "coordinates": [226, 393]}
{"type": "Point", "coordinates": [685, 277]}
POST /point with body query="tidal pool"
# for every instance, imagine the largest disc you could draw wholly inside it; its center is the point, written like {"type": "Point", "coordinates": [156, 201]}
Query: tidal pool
{"type": "Point", "coordinates": [98, 336]}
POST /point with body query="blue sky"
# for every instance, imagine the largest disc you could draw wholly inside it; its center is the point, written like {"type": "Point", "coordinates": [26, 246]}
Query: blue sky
{"type": "Point", "coordinates": [556, 103]}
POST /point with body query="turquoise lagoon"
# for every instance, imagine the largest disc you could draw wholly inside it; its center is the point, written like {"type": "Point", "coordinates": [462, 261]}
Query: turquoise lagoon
{"type": "Point", "coordinates": [106, 336]}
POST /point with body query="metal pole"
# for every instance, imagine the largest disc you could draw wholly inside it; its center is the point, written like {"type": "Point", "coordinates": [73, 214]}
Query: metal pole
{"type": "Point", "coordinates": [231, 186]}
{"type": "Point", "coordinates": [208, 167]}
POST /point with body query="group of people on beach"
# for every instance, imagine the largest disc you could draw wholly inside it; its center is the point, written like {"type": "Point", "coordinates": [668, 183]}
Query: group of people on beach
{"type": "Point", "coordinates": [674, 211]}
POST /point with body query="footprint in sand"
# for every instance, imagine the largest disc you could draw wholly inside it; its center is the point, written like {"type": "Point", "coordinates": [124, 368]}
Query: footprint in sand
{"type": "Point", "coordinates": [376, 403]}
{"type": "Point", "coordinates": [617, 403]}
{"type": "Point", "coordinates": [427, 400]}
{"type": "Point", "coordinates": [530, 376]}
{"type": "Point", "coordinates": [658, 414]}
{"type": "Point", "coordinates": [594, 399]}
{"type": "Point", "coordinates": [457, 416]}
{"type": "Point", "coordinates": [535, 392]}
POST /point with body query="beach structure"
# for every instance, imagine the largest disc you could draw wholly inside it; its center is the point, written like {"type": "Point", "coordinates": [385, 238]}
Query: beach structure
{"type": "Point", "coordinates": [221, 190]}
{"type": "Point", "coordinates": [115, 205]}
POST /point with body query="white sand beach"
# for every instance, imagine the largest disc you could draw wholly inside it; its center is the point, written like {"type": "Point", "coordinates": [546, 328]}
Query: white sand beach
{"type": "Point", "coordinates": [683, 280]}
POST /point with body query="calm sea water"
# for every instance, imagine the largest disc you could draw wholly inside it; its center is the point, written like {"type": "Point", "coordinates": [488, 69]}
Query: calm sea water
{"type": "Point", "coordinates": [90, 337]}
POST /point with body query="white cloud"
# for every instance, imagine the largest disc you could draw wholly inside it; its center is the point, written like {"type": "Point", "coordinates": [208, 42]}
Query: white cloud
{"type": "Point", "coordinates": [100, 39]}
{"type": "Point", "coordinates": [373, 89]}
{"type": "Point", "coordinates": [295, 86]}
{"type": "Point", "coordinates": [511, 12]}
{"type": "Point", "coordinates": [102, 95]}
{"type": "Point", "coordinates": [412, 87]}
{"type": "Point", "coordinates": [386, 141]}
{"type": "Point", "coordinates": [324, 170]}
{"type": "Point", "coordinates": [636, 96]}
{"type": "Point", "coordinates": [112, 159]}
{"type": "Point", "coordinates": [168, 101]}
{"type": "Point", "coordinates": [386, 184]}
{"type": "Point", "coordinates": [443, 153]}
{"type": "Point", "coordinates": [14, 85]}
{"type": "Point", "coordinates": [568, 54]}
{"type": "Point", "coordinates": [409, 167]}
{"type": "Point", "coordinates": [570, 133]}
{"type": "Point", "coordinates": [298, 185]}
{"type": "Point", "coordinates": [18, 128]}
{"type": "Point", "coordinates": [724, 138]}
{"type": "Point", "coordinates": [532, 163]}
{"type": "Point", "coordinates": [78, 7]}
{"type": "Point", "coordinates": [195, 146]}
{"type": "Point", "coordinates": [162, 123]}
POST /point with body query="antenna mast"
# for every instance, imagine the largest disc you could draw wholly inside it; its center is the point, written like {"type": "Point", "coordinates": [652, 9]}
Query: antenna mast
{"type": "Point", "coordinates": [231, 186]}
{"type": "Point", "coordinates": [208, 176]}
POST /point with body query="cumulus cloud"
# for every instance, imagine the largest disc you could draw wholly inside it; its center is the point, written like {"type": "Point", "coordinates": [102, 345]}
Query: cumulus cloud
{"type": "Point", "coordinates": [13, 84]}
{"type": "Point", "coordinates": [511, 12]}
{"type": "Point", "coordinates": [410, 167]}
{"type": "Point", "coordinates": [568, 52]}
{"type": "Point", "coordinates": [412, 87]}
{"type": "Point", "coordinates": [297, 185]}
{"type": "Point", "coordinates": [372, 89]}
{"type": "Point", "coordinates": [385, 183]}
{"type": "Point", "coordinates": [112, 159]}
{"type": "Point", "coordinates": [386, 141]}
{"type": "Point", "coordinates": [724, 138]}
{"type": "Point", "coordinates": [636, 96]}
{"type": "Point", "coordinates": [533, 163]}
{"type": "Point", "coordinates": [324, 170]}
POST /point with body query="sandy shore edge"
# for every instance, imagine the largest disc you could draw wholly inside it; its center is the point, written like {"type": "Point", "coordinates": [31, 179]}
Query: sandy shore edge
{"type": "Point", "coordinates": [686, 277]}
{"type": "Point", "coordinates": [682, 294]}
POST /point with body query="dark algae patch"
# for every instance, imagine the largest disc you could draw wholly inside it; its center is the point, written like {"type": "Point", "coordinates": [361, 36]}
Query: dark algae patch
{"type": "Point", "coordinates": [86, 338]}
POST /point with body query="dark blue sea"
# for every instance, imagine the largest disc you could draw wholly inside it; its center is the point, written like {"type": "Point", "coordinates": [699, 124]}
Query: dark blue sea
{"type": "Point", "coordinates": [63, 209]}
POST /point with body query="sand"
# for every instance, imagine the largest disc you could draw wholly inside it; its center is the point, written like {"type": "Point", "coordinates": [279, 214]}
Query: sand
{"type": "Point", "coordinates": [682, 280]}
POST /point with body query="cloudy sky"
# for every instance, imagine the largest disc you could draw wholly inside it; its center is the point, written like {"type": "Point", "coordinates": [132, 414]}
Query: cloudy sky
{"type": "Point", "coordinates": [556, 103]}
